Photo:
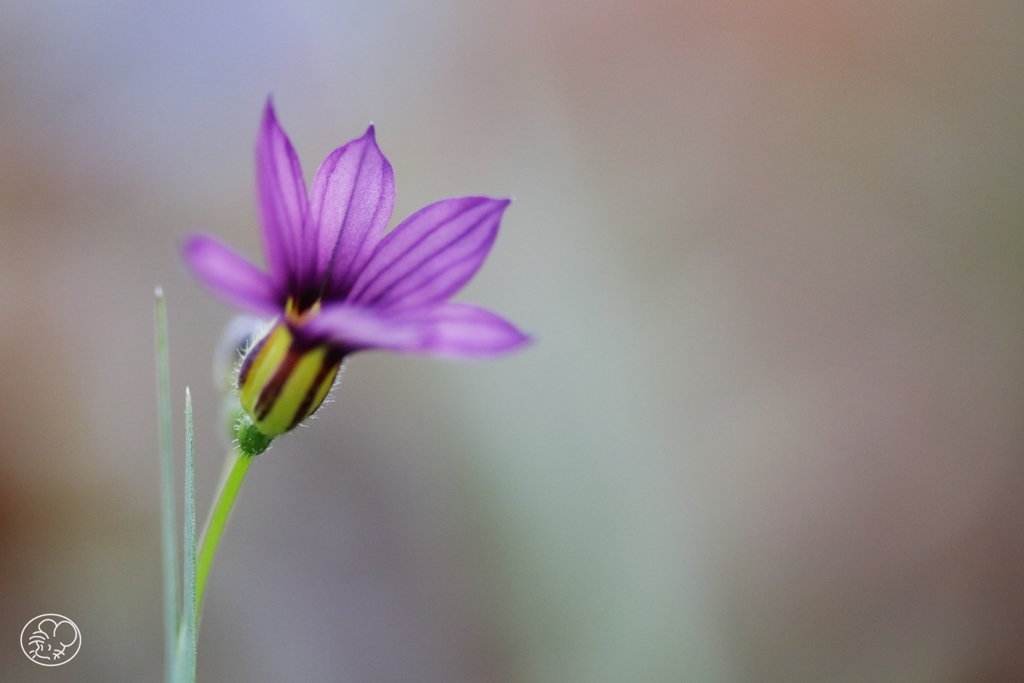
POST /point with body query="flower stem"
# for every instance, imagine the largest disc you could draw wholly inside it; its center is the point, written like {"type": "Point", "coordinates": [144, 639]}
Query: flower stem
{"type": "Point", "coordinates": [235, 468]}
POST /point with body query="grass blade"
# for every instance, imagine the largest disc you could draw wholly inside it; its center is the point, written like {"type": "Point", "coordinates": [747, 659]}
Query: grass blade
{"type": "Point", "coordinates": [188, 669]}
{"type": "Point", "coordinates": [168, 531]}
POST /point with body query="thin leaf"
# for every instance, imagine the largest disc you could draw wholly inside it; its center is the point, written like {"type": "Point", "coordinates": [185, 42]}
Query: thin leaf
{"type": "Point", "coordinates": [168, 531]}
{"type": "Point", "coordinates": [188, 671]}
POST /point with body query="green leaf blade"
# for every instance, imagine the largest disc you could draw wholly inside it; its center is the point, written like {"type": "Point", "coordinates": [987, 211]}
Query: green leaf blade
{"type": "Point", "coordinates": [189, 626]}
{"type": "Point", "coordinates": [167, 517]}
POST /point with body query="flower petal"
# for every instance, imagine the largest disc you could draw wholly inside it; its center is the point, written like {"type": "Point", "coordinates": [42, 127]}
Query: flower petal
{"type": "Point", "coordinates": [351, 202]}
{"type": "Point", "coordinates": [283, 203]}
{"type": "Point", "coordinates": [231, 276]}
{"type": "Point", "coordinates": [432, 254]}
{"type": "Point", "coordinates": [447, 330]}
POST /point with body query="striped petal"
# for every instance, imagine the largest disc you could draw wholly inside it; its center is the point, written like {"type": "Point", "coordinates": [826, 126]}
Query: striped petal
{"type": "Point", "coordinates": [351, 201]}
{"type": "Point", "coordinates": [230, 276]}
{"type": "Point", "coordinates": [447, 330]}
{"type": "Point", "coordinates": [431, 255]}
{"type": "Point", "coordinates": [283, 204]}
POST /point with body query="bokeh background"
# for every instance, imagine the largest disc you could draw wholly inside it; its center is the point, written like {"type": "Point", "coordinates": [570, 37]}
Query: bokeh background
{"type": "Point", "coordinates": [771, 429]}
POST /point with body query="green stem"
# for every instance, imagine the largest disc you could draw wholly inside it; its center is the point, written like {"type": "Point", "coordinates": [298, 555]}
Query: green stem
{"type": "Point", "coordinates": [236, 467]}
{"type": "Point", "coordinates": [230, 483]}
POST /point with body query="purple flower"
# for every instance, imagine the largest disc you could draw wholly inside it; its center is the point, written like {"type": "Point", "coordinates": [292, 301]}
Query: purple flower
{"type": "Point", "coordinates": [336, 284]}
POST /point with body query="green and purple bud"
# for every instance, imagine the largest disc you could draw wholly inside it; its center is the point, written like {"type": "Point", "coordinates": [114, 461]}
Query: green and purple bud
{"type": "Point", "coordinates": [284, 379]}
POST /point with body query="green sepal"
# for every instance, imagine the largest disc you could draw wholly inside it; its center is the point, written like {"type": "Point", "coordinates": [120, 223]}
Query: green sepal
{"type": "Point", "coordinates": [251, 441]}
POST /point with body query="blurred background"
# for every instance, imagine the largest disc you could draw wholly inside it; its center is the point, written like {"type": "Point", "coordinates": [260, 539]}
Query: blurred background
{"type": "Point", "coordinates": [771, 430]}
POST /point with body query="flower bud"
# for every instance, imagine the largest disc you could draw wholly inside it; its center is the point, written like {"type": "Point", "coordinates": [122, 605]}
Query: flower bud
{"type": "Point", "coordinates": [238, 337]}
{"type": "Point", "coordinates": [284, 379]}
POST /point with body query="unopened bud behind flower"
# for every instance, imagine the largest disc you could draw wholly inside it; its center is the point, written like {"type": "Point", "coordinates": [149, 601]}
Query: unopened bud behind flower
{"type": "Point", "coordinates": [237, 338]}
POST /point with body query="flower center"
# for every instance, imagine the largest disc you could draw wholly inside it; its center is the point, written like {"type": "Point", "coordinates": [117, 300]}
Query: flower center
{"type": "Point", "coordinates": [298, 316]}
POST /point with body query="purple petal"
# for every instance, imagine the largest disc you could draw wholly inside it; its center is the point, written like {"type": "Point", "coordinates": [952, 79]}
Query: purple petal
{"type": "Point", "coordinates": [351, 201]}
{"type": "Point", "coordinates": [447, 330]}
{"type": "Point", "coordinates": [283, 203]}
{"type": "Point", "coordinates": [231, 276]}
{"type": "Point", "coordinates": [432, 254]}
